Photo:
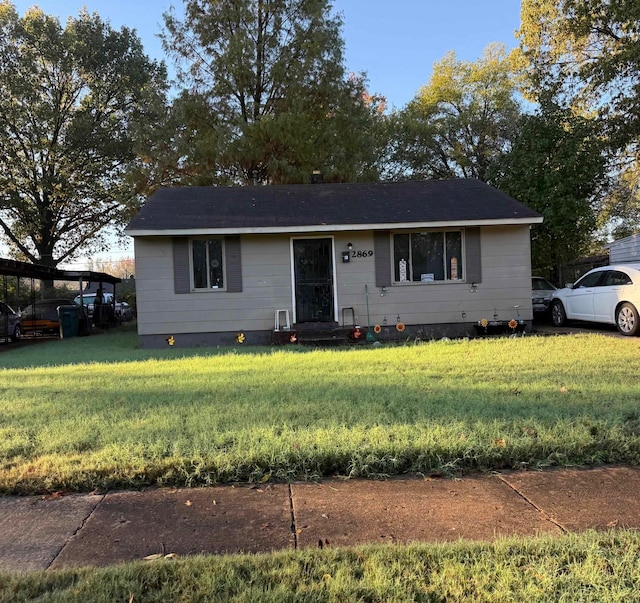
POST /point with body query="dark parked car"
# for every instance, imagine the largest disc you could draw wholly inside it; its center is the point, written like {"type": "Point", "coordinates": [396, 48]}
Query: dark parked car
{"type": "Point", "coordinates": [10, 323]}
{"type": "Point", "coordinates": [541, 291]}
{"type": "Point", "coordinates": [42, 316]}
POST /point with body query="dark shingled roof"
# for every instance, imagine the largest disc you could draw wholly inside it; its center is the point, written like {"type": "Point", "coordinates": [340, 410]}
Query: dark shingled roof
{"type": "Point", "coordinates": [304, 206]}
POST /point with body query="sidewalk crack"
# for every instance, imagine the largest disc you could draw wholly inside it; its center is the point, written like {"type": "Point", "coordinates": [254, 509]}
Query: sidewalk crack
{"type": "Point", "coordinates": [540, 510]}
{"type": "Point", "coordinates": [294, 529]}
{"type": "Point", "coordinates": [77, 530]}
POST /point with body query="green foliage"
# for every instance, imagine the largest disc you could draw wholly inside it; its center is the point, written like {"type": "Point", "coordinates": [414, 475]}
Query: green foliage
{"type": "Point", "coordinates": [134, 417]}
{"type": "Point", "coordinates": [588, 51]}
{"type": "Point", "coordinates": [586, 54]}
{"type": "Point", "coordinates": [590, 567]}
{"type": "Point", "coordinates": [71, 100]}
{"type": "Point", "coordinates": [462, 121]}
{"type": "Point", "coordinates": [555, 166]}
{"type": "Point", "coordinates": [267, 96]}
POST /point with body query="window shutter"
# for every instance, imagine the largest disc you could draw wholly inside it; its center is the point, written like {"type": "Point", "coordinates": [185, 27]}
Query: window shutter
{"type": "Point", "coordinates": [473, 253]}
{"type": "Point", "coordinates": [382, 256]}
{"type": "Point", "coordinates": [181, 276]}
{"type": "Point", "coordinates": [234, 264]}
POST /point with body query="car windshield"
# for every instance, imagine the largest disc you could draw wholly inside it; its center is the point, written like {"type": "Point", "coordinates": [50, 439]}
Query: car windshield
{"type": "Point", "coordinates": [541, 284]}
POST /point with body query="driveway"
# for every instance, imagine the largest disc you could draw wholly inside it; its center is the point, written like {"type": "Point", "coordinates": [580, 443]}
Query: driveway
{"type": "Point", "coordinates": [542, 327]}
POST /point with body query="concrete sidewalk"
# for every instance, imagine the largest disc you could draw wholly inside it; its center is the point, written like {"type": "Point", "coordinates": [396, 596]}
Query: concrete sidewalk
{"type": "Point", "coordinates": [76, 530]}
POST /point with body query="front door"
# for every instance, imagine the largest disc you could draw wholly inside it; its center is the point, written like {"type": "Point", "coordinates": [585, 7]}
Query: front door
{"type": "Point", "coordinates": [313, 274]}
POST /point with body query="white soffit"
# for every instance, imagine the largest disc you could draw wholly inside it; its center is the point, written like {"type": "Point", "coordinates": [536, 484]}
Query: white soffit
{"type": "Point", "coordinates": [328, 228]}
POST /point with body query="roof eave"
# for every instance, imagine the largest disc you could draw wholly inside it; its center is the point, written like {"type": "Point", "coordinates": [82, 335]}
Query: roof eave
{"type": "Point", "coordinates": [176, 232]}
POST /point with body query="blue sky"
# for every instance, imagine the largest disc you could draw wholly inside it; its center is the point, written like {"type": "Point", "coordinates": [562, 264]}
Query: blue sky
{"type": "Point", "coordinates": [395, 42]}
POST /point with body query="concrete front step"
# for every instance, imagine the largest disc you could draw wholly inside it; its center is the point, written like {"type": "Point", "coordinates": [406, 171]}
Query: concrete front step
{"type": "Point", "coordinates": [319, 334]}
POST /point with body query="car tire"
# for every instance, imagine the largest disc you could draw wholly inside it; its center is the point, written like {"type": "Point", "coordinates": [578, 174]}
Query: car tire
{"type": "Point", "coordinates": [558, 315]}
{"type": "Point", "coordinates": [627, 319]}
{"type": "Point", "coordinates": [17, 334]}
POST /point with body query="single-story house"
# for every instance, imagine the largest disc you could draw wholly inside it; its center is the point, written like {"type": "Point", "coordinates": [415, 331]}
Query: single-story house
{"type": "Point", "coordinates": [624, 250]}
{"type": "Point", "coordinates": [434, 256]}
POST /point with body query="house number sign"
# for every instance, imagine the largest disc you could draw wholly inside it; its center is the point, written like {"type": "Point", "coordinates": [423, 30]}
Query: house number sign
{"type": "Point", "coordinates": [361, 254]}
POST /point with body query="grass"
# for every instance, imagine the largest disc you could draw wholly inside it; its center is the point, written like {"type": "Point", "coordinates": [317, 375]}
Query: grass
{"type": "Point", "coordinates": [588, 567]}
{"type": "Point", "coordinates": [100, 412]}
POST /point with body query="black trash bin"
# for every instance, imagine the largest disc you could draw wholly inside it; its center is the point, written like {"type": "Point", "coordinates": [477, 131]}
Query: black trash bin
{"type": "Point", "coordinates": [69, 317]}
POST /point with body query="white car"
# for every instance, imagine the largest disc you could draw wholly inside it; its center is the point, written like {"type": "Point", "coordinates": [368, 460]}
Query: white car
{"type": "Point", "coordinates": [88, 299]}
{"type": "Point", "coordinates": [609, 294]}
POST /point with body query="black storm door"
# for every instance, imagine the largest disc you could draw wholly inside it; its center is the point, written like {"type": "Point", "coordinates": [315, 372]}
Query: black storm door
{"type": "Point", "coordinates": [313, 265]}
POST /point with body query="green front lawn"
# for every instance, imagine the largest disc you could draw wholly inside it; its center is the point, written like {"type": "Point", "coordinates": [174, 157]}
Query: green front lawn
{"type": "Point", "coordinates": [99, 412]}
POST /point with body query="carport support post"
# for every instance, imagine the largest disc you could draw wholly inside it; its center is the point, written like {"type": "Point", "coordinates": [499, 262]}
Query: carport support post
{"type": "Point", "coordinates": [82, 317]}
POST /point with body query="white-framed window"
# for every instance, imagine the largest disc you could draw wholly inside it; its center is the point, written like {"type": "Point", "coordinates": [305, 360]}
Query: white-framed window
{"type": "Point", "coordinates": [207, 264]}
{"type": "Point", "coordinates": [428, 256]}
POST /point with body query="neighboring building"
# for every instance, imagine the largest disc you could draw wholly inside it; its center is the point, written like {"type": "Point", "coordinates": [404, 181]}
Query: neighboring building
{"type": "Point", "coordinates": [624, 250]}
{"type": "Point", "coordinates": [436, 255]}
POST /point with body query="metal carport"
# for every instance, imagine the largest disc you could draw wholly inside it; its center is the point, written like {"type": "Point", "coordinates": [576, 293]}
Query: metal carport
{"type": "Point", "coordinates": [20, 270]}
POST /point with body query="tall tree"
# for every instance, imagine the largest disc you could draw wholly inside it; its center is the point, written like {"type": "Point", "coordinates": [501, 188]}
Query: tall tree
{"type": "Point", "coordinates": [556, 166]}
{"type": "Point", "coordinates": [267, 96]}
{"type": "Point", "coordinates": [589, 52]}
{"type": "Point", "coordinates": [461, 121]}
{"type": "Point", "coordinates": [70, 99]}
{"type": "Point", "coordinates": [586, 55]}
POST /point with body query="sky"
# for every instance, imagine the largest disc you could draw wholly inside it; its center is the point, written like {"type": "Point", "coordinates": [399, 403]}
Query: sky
{"type": "Point", "coordinates": [395, 42]}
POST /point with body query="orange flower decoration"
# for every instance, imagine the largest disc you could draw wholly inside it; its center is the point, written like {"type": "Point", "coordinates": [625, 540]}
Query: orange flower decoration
{"type": "Point", "coordinates": [400, 327]}
{"type": "Point", "coordinates": [377, 329]}
{"type": "Point", "coordinates": [484, 322]}
{"type": "Point", "coordinates": [513, 323]}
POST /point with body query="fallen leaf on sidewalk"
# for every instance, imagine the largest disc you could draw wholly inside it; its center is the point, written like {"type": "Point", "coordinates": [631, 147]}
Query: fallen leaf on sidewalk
{"type": "Point", "coordinates": [54, 495]}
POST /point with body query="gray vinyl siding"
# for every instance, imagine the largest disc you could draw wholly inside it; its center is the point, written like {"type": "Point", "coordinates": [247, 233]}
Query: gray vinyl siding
{"type": "Point", "coordinates": [263, 277]}
{"type": "Point", "coordinates": [625, 250]}
{"type": "Point", "coordinates": [503, 261]}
